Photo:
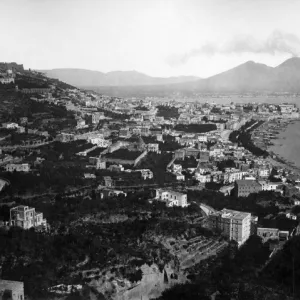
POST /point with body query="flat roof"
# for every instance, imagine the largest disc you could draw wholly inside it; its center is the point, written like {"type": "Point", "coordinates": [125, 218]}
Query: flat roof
{"type": "Point", "coordinates": [233, 214]}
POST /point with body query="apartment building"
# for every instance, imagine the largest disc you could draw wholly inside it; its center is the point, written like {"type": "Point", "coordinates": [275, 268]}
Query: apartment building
{"type": "Point", "coordinates": [244, 188]}
{"type": "Point", "coordinates": [26, 217]}
{"type": "Point", "coordinates": [233, 224]}
{"type": "Point", "coordinates": [172, 198]}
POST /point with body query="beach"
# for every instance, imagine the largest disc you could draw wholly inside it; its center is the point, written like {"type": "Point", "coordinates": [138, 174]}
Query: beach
{"type": "Point", "coordinates": [287, 145]}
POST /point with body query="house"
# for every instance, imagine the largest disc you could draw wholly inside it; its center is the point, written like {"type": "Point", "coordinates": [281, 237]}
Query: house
{"type": "Point", "coordinates": [233, 224]}
{"type": "Point", "coordinates": [172, 198]}
{"type": "Point", "coordinates": [244, 188]}
{"type": "Point", "coordinates": [26, 217]}
{"type": "Point", "coordinates": [11, 290]}
{"type": "Point", "coordinates": [17, 167]}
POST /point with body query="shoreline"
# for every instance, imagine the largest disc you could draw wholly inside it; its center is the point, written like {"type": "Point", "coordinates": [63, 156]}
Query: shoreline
{"type": "Point", "coordinates": [280, 160]}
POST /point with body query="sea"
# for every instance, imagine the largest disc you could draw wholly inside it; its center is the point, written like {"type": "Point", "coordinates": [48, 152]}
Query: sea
{"type": "Point", "coordinates": [287, 144]}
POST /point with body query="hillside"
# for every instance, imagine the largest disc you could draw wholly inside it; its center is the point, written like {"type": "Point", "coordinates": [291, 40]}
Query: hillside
{"type": "Point", "coordinates": [88, 78]}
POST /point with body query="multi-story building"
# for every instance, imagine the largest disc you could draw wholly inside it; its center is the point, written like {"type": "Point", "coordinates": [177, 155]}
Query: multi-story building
{"type": "Point", "coordinates": [145, 130]}
{"type": "Point", "coordinates": [172, 198]}
{"type": "Point", "coordinates": [13, 290]}
{"type": "Point", "coordinates": [26, 217]}
{"type": "Point", "coordinates": [244, 188]}
{"type": "Point", "coordinates": [202, 138]}
{"type": "Point", "coordinates": [124, 132]}
{"type": "Point", "coordinates": [233, 224]}
{"type": "Point", "coordinates": [269, 186]}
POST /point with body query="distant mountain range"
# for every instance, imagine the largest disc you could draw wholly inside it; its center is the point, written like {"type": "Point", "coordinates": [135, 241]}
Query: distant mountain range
{"type": "Point", "coordinates": [247, 77]}
{"type": "Point", "coordinates": [88, 78]}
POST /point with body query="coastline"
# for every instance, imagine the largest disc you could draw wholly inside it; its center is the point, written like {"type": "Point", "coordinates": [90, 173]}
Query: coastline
{"type": "Point", "coordinates": [285, 147]}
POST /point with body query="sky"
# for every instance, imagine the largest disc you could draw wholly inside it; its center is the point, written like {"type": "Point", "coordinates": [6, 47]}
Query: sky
{"type": "Point", "coordinates": [156, 37]}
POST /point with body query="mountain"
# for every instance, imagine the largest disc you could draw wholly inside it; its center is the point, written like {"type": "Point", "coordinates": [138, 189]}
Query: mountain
{"type": "Point", "coordinates": [247, 77]}
{"type": "Point", "coordinates": [87, 78]}
{"type": "Point", "coordinates": [252, 77]}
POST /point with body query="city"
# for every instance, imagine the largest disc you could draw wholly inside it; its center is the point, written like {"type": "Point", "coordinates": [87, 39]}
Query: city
{"type": "Point", "coordinates": [177, 181]}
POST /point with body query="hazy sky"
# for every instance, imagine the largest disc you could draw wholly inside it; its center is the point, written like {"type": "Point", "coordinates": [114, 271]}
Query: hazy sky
{"type": "Point", "coordinates": [156, 37]}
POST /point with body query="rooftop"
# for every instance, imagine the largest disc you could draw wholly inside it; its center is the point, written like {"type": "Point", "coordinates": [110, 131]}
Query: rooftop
{"type": "Point", "coordinates": [234, 214]}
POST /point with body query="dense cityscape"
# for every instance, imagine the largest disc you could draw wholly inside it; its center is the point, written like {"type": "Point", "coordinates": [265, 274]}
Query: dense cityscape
{"type": "Point", "coordinates": [149, 150]}
{"type": "Point", "coordinates": [134, 198]}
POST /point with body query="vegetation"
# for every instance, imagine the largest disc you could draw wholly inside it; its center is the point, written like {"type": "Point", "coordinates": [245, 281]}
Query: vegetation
{"type": "Point", "coordinates": [240, 274]}
{"type": "Point", "coordinates": [77, 231]}
{"type": "Point", "coordinates": [243, 138]}
{"type": "Point", "coordinates": [195, 128]}
{"type": "Point", "coordinates": [168, 112]}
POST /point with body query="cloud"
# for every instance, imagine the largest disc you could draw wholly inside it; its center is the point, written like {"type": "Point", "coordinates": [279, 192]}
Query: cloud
{"type": "Point", "coordinates": [277, 42]}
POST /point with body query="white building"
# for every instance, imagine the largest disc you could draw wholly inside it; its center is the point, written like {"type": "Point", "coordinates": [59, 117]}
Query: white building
{"type": "Point", "coordinates": [146, 173]}
{"type": "Point", "coordinates": [172, 198]}
{"type": "Point", "coordinates": [26, 217]}
{"type": "Point", "coordinates": [202, 138]}
{"type": "Point", "coordinates": [268, 186]}
{"type": "Point", "coordinates": [17, 167]}
{"type": "Point", "coordinates": [233, 224]}
{"type": "Point", "coordinates": [263, 172]}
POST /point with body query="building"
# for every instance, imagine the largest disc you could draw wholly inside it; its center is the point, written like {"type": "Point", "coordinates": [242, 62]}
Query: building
{"type": "Point", "coordinates": [202, 138]}
{"type": "Point", "coordinates": [11, 290]}
{"type": "Point", "coordinates": [108, 181]}
{"type": "Point", "coordinates": [36, 91]}
{"type": "Point", "coordinates": [244, 188]}
{"type": "Point", "coordinates": [7, 80]}
{"type": "Point", "coordinates": [17, 167]}
{"type": "Point", "coordinates": [145, 130]}
{"type": "Point", "coordinates": [100, 164]}
{"type": "Point", "coordinates": [204, 156]}
{"type": "Point", "coordinates": [233, 224]}
{"type": "Point", "coordinates": [65, 137]}
{"type": "Point", "coordinates": [268, 233]}
{"type": "Point", "coordinates": [172, 198]}
{"type": "Point", "coordinates": [269, 186]}
{"type": "Point", "coordinates": [10, 125]}
{"type": "Point", "coordinates": [26, 217]}
{"type": "Point", "coordinates": [146, 173]}
{"type": "Point", "coordinates": [153, 147]}
{"type": "Point", "coordinates": [124, 132]}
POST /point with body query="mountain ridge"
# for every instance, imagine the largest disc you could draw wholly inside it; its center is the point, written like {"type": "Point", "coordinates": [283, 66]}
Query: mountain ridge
{"type": "Point", "coordinates": [247, 77]}
{"type": "Point", "coordinates": [84, 77]}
